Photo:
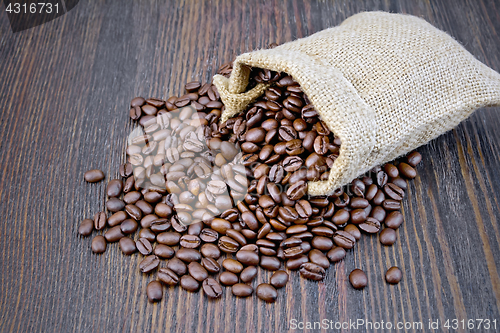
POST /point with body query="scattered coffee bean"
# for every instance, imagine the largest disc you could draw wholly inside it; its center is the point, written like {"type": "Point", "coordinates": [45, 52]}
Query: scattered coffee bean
{"type": "Point", "coordinates": [93, 176]}
{"type": "Point", "coordinates": [99, 244]}
{"type": "Point", "coordinates": [212, 288]}
{"type": "Point", "coordinates": [189, 283]}
{"type": "Point", "coordinates": [266, 292]}
{"type": "Point", "coordinates": [393, 275]}
{"type": "Point", "coordinates": [358, 279]}
{"type": "Point", "coordinates": [86, 227]}
{"type": "Point", "coordinates": [241, 290]}
{"type": "Point", "coordinates": [154, 291]}
{"type": "Point", "coordinates": [279, 279]}
{"type": "Point", "coordinates": [127, 245]}
{"type": "Point", "coordinates": [388, 236]}
{"type": "Point", "coordinates": [312, 271]}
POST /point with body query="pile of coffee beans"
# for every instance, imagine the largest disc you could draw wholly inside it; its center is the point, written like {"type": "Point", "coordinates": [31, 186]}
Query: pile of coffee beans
{"type": "Point", "coordinates": [206, 204]}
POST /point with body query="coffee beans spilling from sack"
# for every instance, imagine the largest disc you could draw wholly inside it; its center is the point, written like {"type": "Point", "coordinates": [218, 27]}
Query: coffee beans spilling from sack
{"type": "Point", "coordinates": [205, 204]}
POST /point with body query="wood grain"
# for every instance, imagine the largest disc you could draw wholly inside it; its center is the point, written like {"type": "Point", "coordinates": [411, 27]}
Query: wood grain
{"type": "Point", "coordinates": [64, 93]}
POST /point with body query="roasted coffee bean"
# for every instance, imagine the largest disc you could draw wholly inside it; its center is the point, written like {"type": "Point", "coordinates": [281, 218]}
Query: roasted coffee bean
{"type": "Point", "coordinates": [144, 246]}
{"type": "Point", "coordinates": [210, 250]}
{"type": "Point", "coordinates": [98, 244]}
{"type": "Point", "coordinates": [147, 234]}
{"type": "Point", "coordinates": [209, 235]}
{"type": "Point", "coordinates": [294, 264]}
{"type": "Point", "coordinates": [407, 170]}
{"type": "Point", "coordinates": [336, 254]}
{"type": "Point", "coordinates": [113, 234]}
{"type": "Point", "coordinates": [388, 236]}
{"type": "Point", "coordinates": [317, 257]}
{"type": "Point", "coordinates": [322, 243]}
{"type": "Point", "coordinates": [390, 204]}
{"type": "Point", "coordinates": [341, 217]}
{"type": "Point", "coordinates": [232, 265]}
{"type": "Point", "coordinates": [127, 245]}
{"type": "Point", "coordinates": [149, 263]}
{"type": "Point", "coordinates": [248, 258]}
{"type": "Point", "coordinates": [228, 278]}
{"type": "Point", "coordinates": [241, 290]}
{"type": "Point", "coordinates": [188, 255]}
{"type": "Point", "coordinates": [168, 277]}
{"type": "Point", "coordinates": [312, 271]}
{"type": "Point", "coordinates": [189, 283]}
{"type": "Point", "coordinates": [154, 290]}
{"type": "Point", "coordinates": [212, 288]}
{"type": "Point", "coordinates": [391, 170]}
{"type": "Point", "coordinates": [168, 238]}
{"type": "Point", "coordinates": [370, 225]}
{"type": "Point", "coordinates": [86, 227]}
{"type": "Point", "coordinates": [211, 265]}
{"type": "Point", "coordinates": [197, 271]}
{"type": "Point", "coordinates": [228, 245]}
{"type": "Point", "coordinates": [270, 263]}
{"type": "Point", "coordinates": [93, 176]}
{"type": "Point", "coordinates": [344, 239]}
{"type": "Point", "coordinates": [248, 274]}
{"type": "Point", "coordinates": [266, 292]}
{"type": "Point", "coordinates": [114, 188]}
{"type": "Point", "coordinates": [358, 279]}
{"type": "Point", "coordinates": [220, 225]}
{"type": "Point", "coordinates": [163, 251]}
{"type": "Point", "coordinates": [100, 220]}
{"type": "Point", "coordinates": [414, 158]}
{"type": "Point", "coordinates": [358, 216]}
{"type": "Point", "coordinates": [378, 213]}
{"type": "Point", "coordinates": [279, 279]}
{"type": "Point", "coordinates": [394, 192]}
{"type": "Point", "coordinates": [133, 211]}
{"type": "Point", "coordinates": [393, 275]}
{"type": "Point", "coordinates": [353, 230]}
{"type": "Point", "coordinates": [177, 266]}
{"type": "Point", "coordinates": [114, 204]}
{"type": "Point", "coordinates": [190, 241]}
{"type": "Point", "coordinates": [323, 231]}
{"type": "Point", "coordinates": [393, 220]}
{"type": "Point", "coordinates": [117, 218]}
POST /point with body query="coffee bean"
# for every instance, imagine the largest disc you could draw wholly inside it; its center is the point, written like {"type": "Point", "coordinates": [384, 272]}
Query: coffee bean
{"type": "Point", "coordinates": [312, 271]}
{"type": "Point", "coordinates": [86, 227]}
{"type": "Point", "coordinates": [228, 245]}
{"type": "Point", "coordinates": [394, 220]}
{"type": "Point", "coordinates": [266, 292]}
{"type": "Point", "coordinates": [98, 244]}
{"type": "Point", "coordinates": [336, 254]}
{"type": "Point", "coordinates": [232, 265]}
{"type": "Point", "coordinates": [294, 264]}
{"type": "Point", "coordinates": [344, 239]}
{"type": "Point", "coordinates": [241, 290]}
{"type": "Point", "coordinates": [114, 204]}
{"type": "Point", "coordinates": [117, 218]}
{"type": "Point", "coordinates": [270, 263]}
{"type": "Point", "coordinates": [358, 279]}
{"type": "Point", "coordinates": [188, 255]}
{"type": "Point", "coordinates": [168, 238]}
{"type": "Point", "coordinates": [177, 266]}
{"type": "Point", "coordinates": [100, 220]}
{"type": "Point", "coordinates": [414, 158]}
{"type": "Point", "coordinates": [189, 283]}
{"type": "Point", "coordinates": [210, 251]}
{"type": "Point", "coordinates": [248, 258]}
{"type": "Point", "coordinates": [168, 276]}
{"type": "Point", "coordinates": [113, 234]}
{"type": "Point", "coordinates": [248, 274]}
{"type": "Point", "coordinates": [212, 288]}
{"type": "Point", "coordinates": [129, 226]}
{"type": "Point", "coordinates": [407, 170]}
{"type": "Point", "coordinates": [197, 271]}
{"type": "Point", "coordinates": [114, 188]}
{"type": "Point", "coordinates": [388, 236]}
{"type": "Point", "coordinates": [209, 235]}
{"type": "Point", "coordinates": [127, 245]}
{"type": "Point", "coordinates": [390, 204]}
{"type": "Point", "coordinates": [93, 176]}
{"type": "Point", "coordinates": [154, 290]}
{"type": "Point", "coordinates": [144, 246]}
{"type": "Point", "coordinates": [190, 241]}
{"type": "Point", "coordinates": [394, 192]}
{"type": "Point", "coordinates": [163, 251]}
{"type": "Point", "coordinates": [393, 275]}
{"type": "Point", "coordinates": [322, 243]}
{"type": "Point", "coordinates": [228, 278]}
{"type": "Point", "coordinates": [353, 230]}
{"type": "Point", "coordinates": [371, 225]}
{"type": "Point", "coordinates": [149, 263]}
{"type": "Point", "coordinates": [211, 265]}
{"type": "Point", "coordinates": [317, 257]}
{"type": "Point", "coordinates": [279, 279]}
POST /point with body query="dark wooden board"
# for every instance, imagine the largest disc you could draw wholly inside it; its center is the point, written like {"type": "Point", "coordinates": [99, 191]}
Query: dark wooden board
{"type": "Point", "coordinates": [65, 88]}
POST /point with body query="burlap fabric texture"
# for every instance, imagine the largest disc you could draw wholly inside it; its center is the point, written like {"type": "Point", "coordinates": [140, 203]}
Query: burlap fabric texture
{"type": "Point", "coordinates": [384, 83]}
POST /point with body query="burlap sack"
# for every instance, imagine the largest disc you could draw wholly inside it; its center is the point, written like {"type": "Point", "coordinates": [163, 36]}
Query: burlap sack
{"type": "Point", "coordinates": [384, 83]}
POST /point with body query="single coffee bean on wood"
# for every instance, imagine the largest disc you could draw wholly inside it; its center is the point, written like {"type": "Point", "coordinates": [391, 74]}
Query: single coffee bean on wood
{"type": "Point", "coordinates": [212, 288]}
{"type": "Point", "coordinates": [99, 244]}
{"type": "Point", "coordinates": [86, 227]}
{"type": "Point", "coordinates": [266, 292]}
{"type": "Point", "coordinates": [393, 275]}
{"type": "Point", "coordinates": [358, 279]}
{"type": "Point", "coordinates": [154, 290]}
{"type": "Point", "coordinates": [93, 176]}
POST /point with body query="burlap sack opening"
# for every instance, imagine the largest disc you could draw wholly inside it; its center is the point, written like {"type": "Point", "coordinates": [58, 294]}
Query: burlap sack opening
{"type": "Point", "coordinates": [384, 83]}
